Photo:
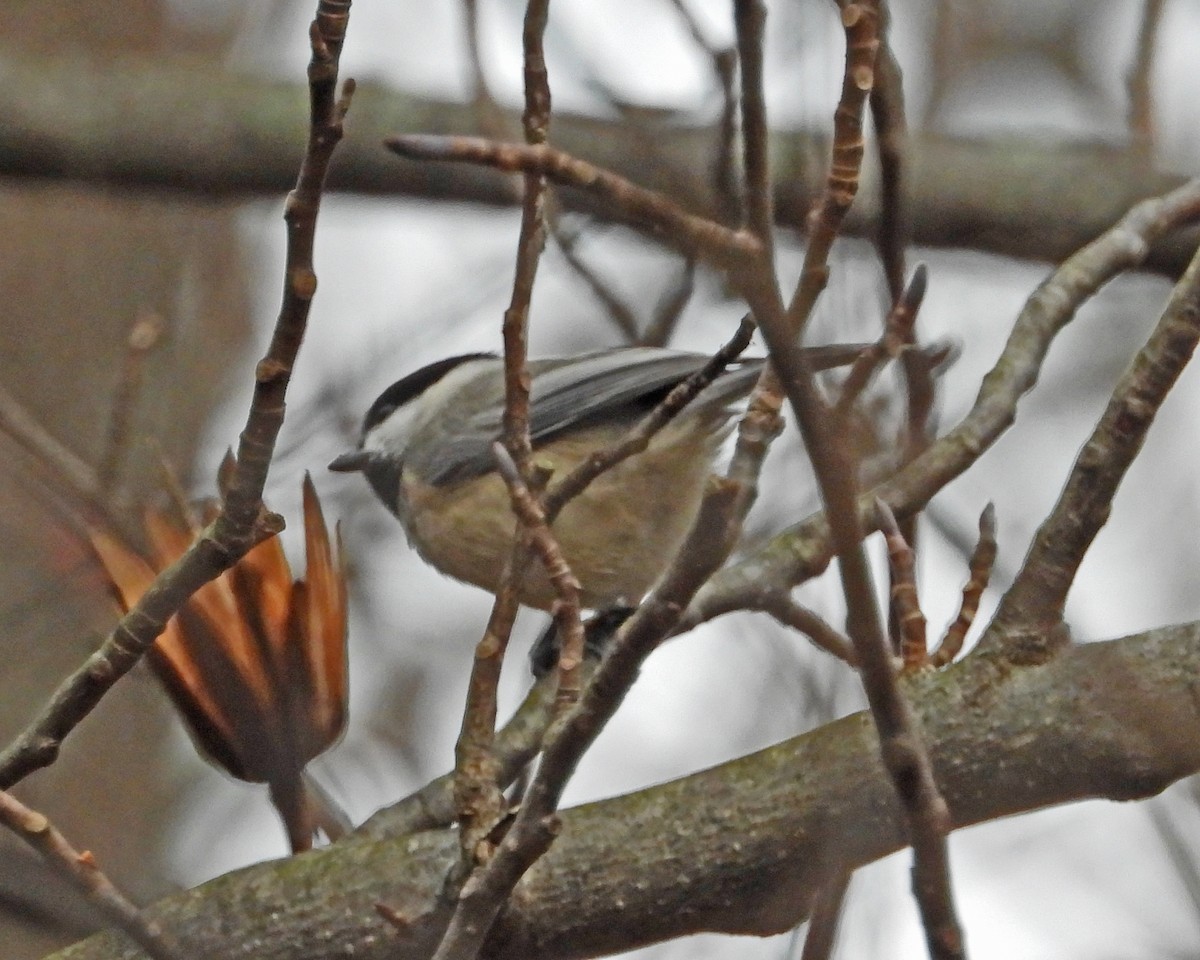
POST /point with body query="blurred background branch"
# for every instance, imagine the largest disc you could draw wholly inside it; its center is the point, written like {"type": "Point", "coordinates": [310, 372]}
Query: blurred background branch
{"type": "Point", "coordinates": [71, 118]}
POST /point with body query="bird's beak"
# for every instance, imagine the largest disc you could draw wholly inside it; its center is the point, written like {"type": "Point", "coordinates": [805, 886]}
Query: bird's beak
{"type": "Point", "coordinates": [351, 462]}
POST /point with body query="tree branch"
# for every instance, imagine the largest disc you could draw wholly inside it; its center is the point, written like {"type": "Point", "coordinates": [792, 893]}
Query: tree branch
{"type": "Point", "coordinates": [744, 847]}
{"type": "Point", "coordinates": [804, 550]}
{"type": "Point", "coordinates": [63, 118]}
{"type": "Point", "coordinates": [242, 521]}
{"type": "Point", "coordinates": [1039, 592]}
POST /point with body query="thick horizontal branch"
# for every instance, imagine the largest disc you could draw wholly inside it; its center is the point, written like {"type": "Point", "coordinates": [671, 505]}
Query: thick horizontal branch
{"type": "Point", "coordinates": [744, 847]}
{"type": "Point", "coordinates": [187, 126]}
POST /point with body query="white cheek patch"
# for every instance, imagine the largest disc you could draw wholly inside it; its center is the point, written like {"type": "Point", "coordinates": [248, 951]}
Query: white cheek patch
{"type": "Point", "coordinates": [391, 436]}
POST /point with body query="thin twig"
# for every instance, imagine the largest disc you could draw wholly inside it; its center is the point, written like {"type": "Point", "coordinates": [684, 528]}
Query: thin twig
{"type": "Point", "coordinates": [906, 606]}
{"type": "Point", "coordinates": [638, 439]}
{"type": "Point", "coordinates": [911, 769]}
{"type": "Point", "coordinates": [897, 333]}
{"type": "Point", "coordinates": [616, 309]}
{"type": "Point", "coordinates": [686, 232]}
{"type": "Point", "coordinates": [749, 18]}
{"type": "Point", "coordinates": [536, 523]}
{"type": "Point", "coordinates": [903, 755]}
{"type": "Point", "coordinates": [781, 329]}
{"type": "Point", "coordinates": [861, 23]}
{"type": "Point", "coordinates": [823, 924]}
{"type": "Point", "coordinates": [515, 745]}
{"type": "Point", "coordinates": [891, 141]}
{"type": "Point", "coordinates": [763, 420]}
{"type": "Point", "coordinates": [791, 614]}
{"type": "Point", "coordinates": [477, 790]}
{"type": "Point", "coordinates": [891, 135]}
{"type": "Point", "coordinates": [533, 829]}
{"type": "Point", "coordinates": [1039, 592]}
{"type": "Point", "coordinates": [478, 797]}
{"type": "Point", "coordinates": [242, 522]}
{"type": "Point", "coordinates": [1139, 82]}
{"type": "Point", "coordinates": [805, 550]}
{"type": "Point", "coordinates": [147, 329]}
{"type": "Point", "coordinates": [79, 869]}
{"type": "Point", "coordinates": [667, 313]}
{"type": "Point", "coordinates": [724, 62]}
{"type": "Point", "coordinates": [491, 117]}
{"type": "Point", "coordinates": [63, 468]}
{"type": "Point", "coordinates": [983, 558]}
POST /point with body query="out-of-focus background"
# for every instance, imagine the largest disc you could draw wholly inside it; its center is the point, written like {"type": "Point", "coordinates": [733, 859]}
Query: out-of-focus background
{"type": "Point", "coordinates": [405, 280]}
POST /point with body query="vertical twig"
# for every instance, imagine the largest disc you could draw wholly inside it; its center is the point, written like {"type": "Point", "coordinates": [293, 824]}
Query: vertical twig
{"type": "Point", "coordinates": [982, 560]}
{"type": "Point", "coordinates": [488, 113]}
{"type": "Point", "coordinates": [481, 802]}
{"type": "Point", "coordinates": [823, 924]}
{"type": "Point", "coordinates": [906, 607]}
{"type": "Point", "coordinates": [147, 328]}
{"type": "Point", "coordinates": [861, 24]}
{"type": "Point", "coordinates": [903, 753]}
{"type": "Point", "coordinates": [242, 521]}
{"type": "Point", "coordinates": [891, 132]}
{"type": "Point", "coordinates": [891, 136]}
{"type": "Point", "coordinates": [749, 20]}
{"type": "Point", "coordinates": [616, 309]}
{"type": "Point", "coordinates": [763, 420]}
{"type": "Point", "coordinates": [724, 62]}
{"type": "Point", "coordinates": [1139, 83]}
{"type": "Point", "coordinates": [1034, 603]}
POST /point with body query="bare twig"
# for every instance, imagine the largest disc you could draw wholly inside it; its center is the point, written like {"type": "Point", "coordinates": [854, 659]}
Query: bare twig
{"type": "Point", "coordinates": [823, 924]}
{"type": "Point", "coordinates": [749, 18]}
{"type": "Point", "coordinates": [805, 550]}
{"type": "Point", "coordinates": [667, 313]}
{"type": "Point", "coordinates": [638, 439]}
{"type": "Point", "coordinates": [536, 523]}
{"type": "Point", "coordinates": [724, 64]}
{"type": "Point", "coordinates": [891, 133]}
{"type": "Point", "coordinates": [146, 331]}
{"type": "Point", "coordinates": [479, 796]}
{"type": "Point", "coordinates": [911, 769]}
{"type": "Point", "coordinates": [1139, 82]}
{"type": "Point", "coordinates": [791, 614]}
{"type": "Point", "coordinates": [906, 605]}
{"type": "Point", "coordinates": [62, 467]}
{"type": "Point", "coordinates": [616, 309]}
{"type": "Point", "coordinates": [861, 23]}
{"type": "Point", "coordinates": [533, 829]}
{"type": "Point", "coordinates": [903, 755]}
{"type": "Point", "coordinates": [514, 746]}
{"type": "Point", "coordinates": [897, 332]}
{"type": "Point", "coordinates": [982, 560]}
{"type": "Point", "coordinates": [79, 869]}
{"type": "Point", "coordinates": [489, 115]}
{"type": "Point", "coordinates": [684, 231]}
{"type": "Point", "coordinates": [763, 420]}
{"type": "Point", "coordinates": [477, 793]}
{"type": "Point", "coordinates": [1038, 594]}
{"type": "Point", "coordinates": [781, 329]}
{"type": "Point", "coordinates": [242, 522]}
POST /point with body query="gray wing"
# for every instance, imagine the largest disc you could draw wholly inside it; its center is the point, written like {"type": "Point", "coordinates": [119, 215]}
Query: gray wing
{"type": "Point", "coordinates": [620, 386]}
{"type": "Point", "coordinates": [607, 386]}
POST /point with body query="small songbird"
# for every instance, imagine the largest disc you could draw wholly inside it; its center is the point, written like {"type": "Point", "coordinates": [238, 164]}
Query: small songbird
{"type": "Point", "coordinates": [426, 449]}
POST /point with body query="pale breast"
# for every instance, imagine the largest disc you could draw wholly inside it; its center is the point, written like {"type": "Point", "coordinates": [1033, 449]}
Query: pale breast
{"type": "Point", "coordinates": [617, 536]}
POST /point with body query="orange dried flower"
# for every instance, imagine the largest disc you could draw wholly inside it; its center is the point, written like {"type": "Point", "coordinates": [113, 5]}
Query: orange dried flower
{"type": "Point", "coordinates": [255, 661]}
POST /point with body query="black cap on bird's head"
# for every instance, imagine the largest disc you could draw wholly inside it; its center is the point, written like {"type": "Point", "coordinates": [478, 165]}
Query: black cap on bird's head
{"type": "Point", "coordinates": [412, 386]}
{"type": "Point", "coordinates": [383, 471]}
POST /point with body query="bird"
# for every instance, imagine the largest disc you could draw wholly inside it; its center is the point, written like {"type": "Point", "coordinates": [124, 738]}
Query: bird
{"type": "Point", "coordinates": [425, 448]}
